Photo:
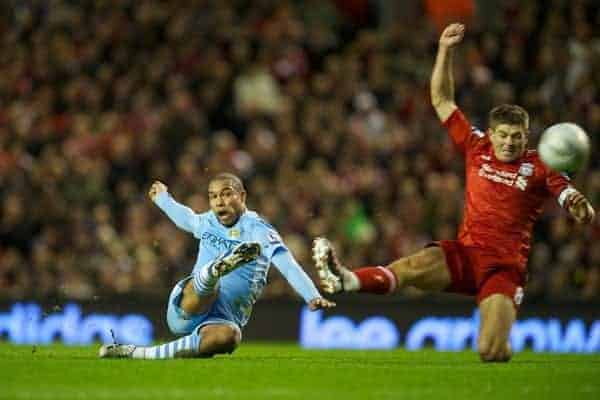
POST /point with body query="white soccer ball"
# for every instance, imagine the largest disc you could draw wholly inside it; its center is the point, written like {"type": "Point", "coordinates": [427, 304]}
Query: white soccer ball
{"type": "Point", "coordinates": [564, 147]}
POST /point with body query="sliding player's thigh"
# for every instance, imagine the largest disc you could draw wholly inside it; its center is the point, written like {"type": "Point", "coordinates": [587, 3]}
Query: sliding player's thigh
{"type": "Point", "coordinates": [440, 266]}
{"type": "Point", "coordinates": [426, 270]}
{"type": "Point", "coordinates": [179, 321]}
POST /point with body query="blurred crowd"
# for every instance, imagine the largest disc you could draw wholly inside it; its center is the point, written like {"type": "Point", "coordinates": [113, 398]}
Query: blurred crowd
{"type": "Point", "coordinates": [322, 107]}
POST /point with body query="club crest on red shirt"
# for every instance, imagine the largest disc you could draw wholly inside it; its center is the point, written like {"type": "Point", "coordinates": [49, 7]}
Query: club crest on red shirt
{"type": "Point", "coordinates": [526, 169]}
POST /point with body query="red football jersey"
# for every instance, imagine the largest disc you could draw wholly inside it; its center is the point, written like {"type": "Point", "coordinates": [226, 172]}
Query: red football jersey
{"type": "Point", "coordinates": [502, 200]}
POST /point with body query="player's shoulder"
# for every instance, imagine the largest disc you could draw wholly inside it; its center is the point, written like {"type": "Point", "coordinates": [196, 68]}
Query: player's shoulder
{"type": "Point", "coordinates": [475, 131]}
{"type": "Point", "coordinates": [532, 157]}
{"type": "Point", "coordinates": [257, 221]}
{"type": "Point", "coordinates": [207, 214]}
{"type": "Point", "coordinates": [459, 118]}
{"type": "Point", "coordinates": [262, 228]}
{"type": "Point", "coordinates": [479, 141]}
{"type": "Point", "coordinates": [476, 137]}
{"type": "Point", "coordinates": [208, 217]}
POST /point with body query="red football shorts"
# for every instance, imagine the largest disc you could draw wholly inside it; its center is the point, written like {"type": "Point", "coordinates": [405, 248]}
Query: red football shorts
{"type": "Point", "coordinates": [479, 272]}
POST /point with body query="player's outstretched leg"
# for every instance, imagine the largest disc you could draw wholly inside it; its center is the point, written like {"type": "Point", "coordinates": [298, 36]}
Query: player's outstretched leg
{"type": "Point", "coordinates": [334, 277]}
{"type": "Point", "coordinates": [184, 346]}
{"type": "Point", "coordinates": [425, 270]}
{"type": "Point", "coordinates": [203, 342]}
{"type": "Point", "coordinates": [206, 279]}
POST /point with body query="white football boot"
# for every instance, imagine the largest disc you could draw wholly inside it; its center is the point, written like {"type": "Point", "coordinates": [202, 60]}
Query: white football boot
{"type": "Point", "coordinates": [240, 255]}
{"type": "Point", "coordinates": [333, 277]}
{"type": "Point", "coordinates": [116, 350]}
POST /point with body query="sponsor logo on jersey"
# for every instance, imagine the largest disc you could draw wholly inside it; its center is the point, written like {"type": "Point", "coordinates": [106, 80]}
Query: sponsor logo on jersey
{"type": "Point", "coordinates": [507, 178]}
{"type": "Point", "coordinates": [521, 183]}
{"type": "Point", "coordinates": [486, 157]}
{"type": "Point", "coordinates": [217, 242]}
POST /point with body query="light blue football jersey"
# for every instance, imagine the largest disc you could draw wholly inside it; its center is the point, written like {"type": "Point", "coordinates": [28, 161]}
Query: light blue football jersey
{"type": "Point", "coordinates": [240, 288]}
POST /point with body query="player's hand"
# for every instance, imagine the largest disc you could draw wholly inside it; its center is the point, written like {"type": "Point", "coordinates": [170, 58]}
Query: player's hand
{"type": "Point", "coordinates": [320, 303]}
{"type": "Point", "coordinates": [156, 189]}
{"type": "Point", "coordinates": [452, 35]}
{"type": "Point", "coordinates": [580, 208]}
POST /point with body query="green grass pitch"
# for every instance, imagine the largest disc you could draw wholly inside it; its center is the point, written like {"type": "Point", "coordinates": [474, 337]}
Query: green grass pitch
{"type": "Point", "coordinates": [284, 371]}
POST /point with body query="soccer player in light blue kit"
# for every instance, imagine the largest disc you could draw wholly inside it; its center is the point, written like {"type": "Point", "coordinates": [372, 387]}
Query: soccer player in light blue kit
{"type": "Point", "coordinates": [209, 308]}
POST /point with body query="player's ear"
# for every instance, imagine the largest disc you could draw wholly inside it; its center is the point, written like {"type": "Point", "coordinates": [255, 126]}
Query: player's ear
{"type": "Point", "coordinates": [243, 196]}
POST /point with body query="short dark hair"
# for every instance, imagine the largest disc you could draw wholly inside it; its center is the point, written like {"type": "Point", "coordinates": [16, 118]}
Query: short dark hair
{"type": "Point", "coordinates": [234, 179]}
{"type": "Point", "coordinates": [510, 114]}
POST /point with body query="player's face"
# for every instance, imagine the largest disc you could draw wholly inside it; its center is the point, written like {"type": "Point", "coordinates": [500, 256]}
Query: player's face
{"type": "Point", "coordinates": [226, 202]}
{"type": "Point", "coordinates": [509, 141]}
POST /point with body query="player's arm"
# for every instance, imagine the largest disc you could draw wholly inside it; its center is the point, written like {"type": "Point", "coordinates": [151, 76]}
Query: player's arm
{"type": "Point", "coordinates": [302, 284]}
{"type": "Point", "coordinates": [182, 216]}
{"type": "Point", "coordinates": [442, 77]}
{"type": "Point", "coordinates": [569, 198]}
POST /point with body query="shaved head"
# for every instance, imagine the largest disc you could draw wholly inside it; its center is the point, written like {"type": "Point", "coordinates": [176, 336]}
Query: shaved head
{"type": "Point", "coordinates": [235, 181]}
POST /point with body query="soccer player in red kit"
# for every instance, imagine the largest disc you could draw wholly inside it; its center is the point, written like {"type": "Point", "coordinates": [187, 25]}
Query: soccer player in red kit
{"type": "Point", "coordinates": [506, 186]}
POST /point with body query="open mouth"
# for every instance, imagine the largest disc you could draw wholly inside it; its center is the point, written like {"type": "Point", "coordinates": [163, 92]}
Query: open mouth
{"type": "Point", "coordinates": [222, 214]}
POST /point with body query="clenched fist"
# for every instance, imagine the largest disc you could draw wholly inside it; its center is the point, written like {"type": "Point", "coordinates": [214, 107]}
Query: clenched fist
{"type": "Point", "coordinates": [452, 35]}
{"type": "Point", "coordinates": [156, 189]}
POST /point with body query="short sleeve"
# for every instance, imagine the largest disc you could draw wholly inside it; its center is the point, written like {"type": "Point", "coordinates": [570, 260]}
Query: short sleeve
{"type": "Point", "coordinates": [462, 133]}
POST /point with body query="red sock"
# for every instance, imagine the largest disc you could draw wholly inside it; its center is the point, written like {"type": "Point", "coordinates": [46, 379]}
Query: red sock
{"type": "Point", "coordinates": [378, 280]}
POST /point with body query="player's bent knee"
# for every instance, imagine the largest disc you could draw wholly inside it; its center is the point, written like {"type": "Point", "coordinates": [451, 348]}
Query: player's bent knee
{"type": "Point", "coordinates": [493, 357]}
{"type": "Point", "coordinates": [490, 352]}
{"type": "Point", "coordinates": [218, 340]}
{"type": "Point", "coordinates": [507, 353]}
{"type": "Point", "coordinates": [488, 355]}
{"type": "Point", "coordinates": [227, 342]}
{"type": "Point", "coordinates": [484, 347]}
